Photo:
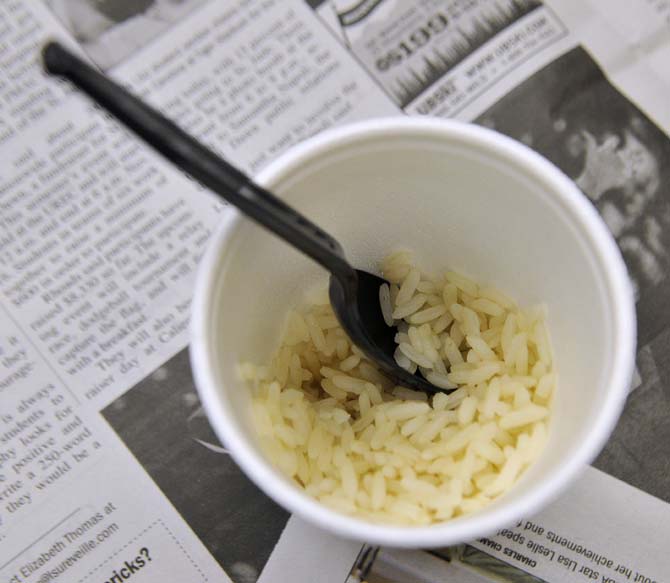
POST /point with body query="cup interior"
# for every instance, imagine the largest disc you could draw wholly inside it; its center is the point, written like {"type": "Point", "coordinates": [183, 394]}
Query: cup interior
{"type": "Point", "coordinates": [461, 198]}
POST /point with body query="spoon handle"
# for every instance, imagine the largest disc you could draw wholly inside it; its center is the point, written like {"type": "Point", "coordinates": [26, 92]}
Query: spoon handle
{"type": "Point", "coordinates": [200, 162]}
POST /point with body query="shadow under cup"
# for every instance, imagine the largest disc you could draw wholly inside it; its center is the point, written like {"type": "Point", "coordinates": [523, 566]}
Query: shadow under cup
{"type": "Point", "coordinates": [462, 198]}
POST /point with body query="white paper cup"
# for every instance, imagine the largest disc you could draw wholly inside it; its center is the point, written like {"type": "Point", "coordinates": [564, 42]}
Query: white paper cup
{"type": "Point", "coordinates": [461, 197]}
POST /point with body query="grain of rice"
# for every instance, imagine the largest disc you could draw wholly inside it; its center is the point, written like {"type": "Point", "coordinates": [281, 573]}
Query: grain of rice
{"type": "Point", "coordinates": [456, 334]}
{"type": "Point", "coordinates": [442, 323]}
{"type": "Point", "coordinates": [528, 414]}
{"type": "Point", "coordinates": [483, 479]}
{"type": "Point", "coordinates": [462, 282]}
{"type": "Point", "coordinates": [401, 257]}
{"type": "Point", "coordinates": [331, 342]}
{"type": "Point", "coordinates": [522, 321]}
{"type": "Point", "coordinates": [440, 401]}
{"type": "Point", "coordinates": [408, 287]}
{"type": "Point", "coordinates": [342, 349]}
{"type": "Point", "coordinates": [430, 430]}
{"type": "Point", "coordinates": [454, 399]}
{"type": "Point", "coordinates": [482, 349]}
{"type": "Point", "coordinates": [492, 337]}
{"type": "Point", "coordinates": [403, 362]}
{"type": "Point", "coordinates": [456, 310]}
{"type": "Point", "coordinates": [452, 352]}
{"type": "Point", "coordinates": [410, 427]}
{"type": "Point", "coordinates": [382, 433]}
{"type": "Point", "coordinates": [508, 330]}
{"type": "Point", "coordinates": [479, 373]}
{"type": "Point", "coordinates": [429, 347]}
{"type": "Point", "coordinates": [526, 380]}
{"type": "Point", "coordinates": [414, 338]}
{"type": "Point", "coordinates": [545, 386]}
{"type": "Point", "coordinates": [364, 421]}
{"type": "Point", "coordinates": [316, 334]}
{"type": "Point", "coordinates": [350, 363]}
{"type": "Point", "coordinates": [507, 475]}
{"type": "Point", "coordinates": [427, 315]}
{"type": "Point", "coordinates": [370, 373]}
{"type": "Point", "coordinates": [415, 356]}
{"type": "Point", "coordinates": [440, 367]}
{"type": "Point", "coordinates": [406, 410]}
{"type": "Point", "coordinates": [490, 400]}
{"type": "Point", "coordinates": [340, 415]}
{"type": "Point", "coordinates": [405, 394]}
{"type": "Point", "coordinates": [471, 505]}
{"type": "Point", "coordinates": [385, 303]}
{"type": "Point", "coordinates": [262, 419]}
{"type": "Point", "coordinates": [511, 353]}
{"type": "Point", "coordinates": [418, 488]}
{"type": "Point", "coordinates": [295, 371]}
{"type": "Point", "coordinates": [541, 340]}
{"type": "Point", "coordinates": [466, 299]}
{"type": "Point", "coordinates": [521, 397]}
{"type": "Point", "coordinates": [378, 491]}
{"type": "Point", "coordinates": [539, 370]}
{"type": "Point", "coordinates": [329, 387]}
{"type": "Point", "coordinates": [349, 478]}
{"type": "Point", "coordinates": [462, 438]}
{"type": "Point", "coordinates": [508, 386]}
{"type": "Point", "coordinates": [403, 310]}
{"type": "Point", "coordinates": [467, 410]}
{"type": "Point", "coordinates": [521, 359]}
{"type": "Point", "coordinates": [488, 450]}
{"type": "Point", "coordinates": [349, 384]}
{"type": "Point", "coordinates": [440, 380]}
{"type": "Point", "coordinates": [364, 403]}
{"type": "Point", "coordinates": [433, 300]}
{"type": "Point", "coordinates": [374, 393]}
{"type": "Point", "coordinates": [393, 290]}
{"type": "Point", "coordinates": [427, 287]}
{"type": "Point", "coordinates": [486, 306]}
{"type": "Point", "coordinates": [470, 322]}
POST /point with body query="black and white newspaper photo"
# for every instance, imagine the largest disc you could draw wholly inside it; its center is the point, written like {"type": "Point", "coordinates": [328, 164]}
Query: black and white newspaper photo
{"type": "Point", "coordinates": [111, 31]}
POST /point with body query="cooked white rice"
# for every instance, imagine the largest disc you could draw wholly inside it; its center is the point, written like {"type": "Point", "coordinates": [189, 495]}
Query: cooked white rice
{"type": "Point", "coordinates": [329, 420]}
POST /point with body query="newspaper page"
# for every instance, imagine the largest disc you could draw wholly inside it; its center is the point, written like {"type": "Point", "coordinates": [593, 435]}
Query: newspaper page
{"type": "Point", "coordinates": [631, 42]}
{"type": "Point", "coordinates": [108, 467]}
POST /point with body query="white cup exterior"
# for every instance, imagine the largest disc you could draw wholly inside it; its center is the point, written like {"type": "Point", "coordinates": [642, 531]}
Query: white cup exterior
{"type": "Point", "coordinates": [461, 197]}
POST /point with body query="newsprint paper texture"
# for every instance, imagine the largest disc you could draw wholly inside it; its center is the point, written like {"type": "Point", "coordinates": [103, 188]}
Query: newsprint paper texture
{"type": "Point", "coordinates": [109, 471]}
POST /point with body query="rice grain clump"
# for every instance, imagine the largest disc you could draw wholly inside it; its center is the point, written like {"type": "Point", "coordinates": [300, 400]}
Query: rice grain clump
{"type": "Point", "coordinates": [330, 421]}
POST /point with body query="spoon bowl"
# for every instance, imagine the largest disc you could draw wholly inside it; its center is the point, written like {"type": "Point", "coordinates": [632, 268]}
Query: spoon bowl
{"type": "Point", "coordinates": [358, 310]}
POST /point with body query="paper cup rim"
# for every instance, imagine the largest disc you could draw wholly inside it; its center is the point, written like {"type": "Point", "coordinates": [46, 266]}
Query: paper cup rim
{"type": "Point", "coordinates": [465, 528]}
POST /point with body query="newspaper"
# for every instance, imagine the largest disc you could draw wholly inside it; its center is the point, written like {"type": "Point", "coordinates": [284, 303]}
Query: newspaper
{"type": "Point", "coordinates": [108, 467]}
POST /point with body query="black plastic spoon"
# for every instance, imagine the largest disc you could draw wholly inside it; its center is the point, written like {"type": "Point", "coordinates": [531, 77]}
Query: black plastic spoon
{"type": "Point", "coordinates": [354, 294]}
